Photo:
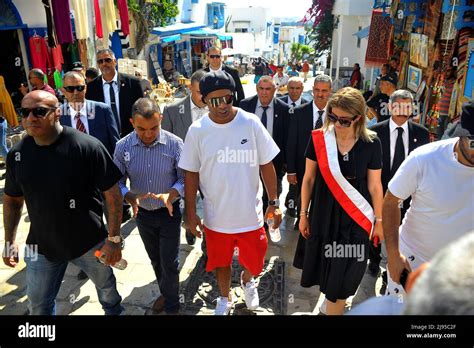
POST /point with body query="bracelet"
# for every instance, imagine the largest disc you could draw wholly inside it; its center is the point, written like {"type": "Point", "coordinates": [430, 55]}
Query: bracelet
{"type": "Point", "coordinates": [304, 214]}
{"type": "Point", "coordinates": [378, 220]}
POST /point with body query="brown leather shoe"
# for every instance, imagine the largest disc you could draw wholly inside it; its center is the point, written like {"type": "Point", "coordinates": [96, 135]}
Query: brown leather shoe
{"type": "Point", "coordinates": [159, 305]}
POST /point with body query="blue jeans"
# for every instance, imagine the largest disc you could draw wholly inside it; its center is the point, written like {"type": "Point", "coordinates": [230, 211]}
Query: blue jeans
{"type": "Point", "coordinates": [44, 277]}
{"type": "Point", "coordinates": [160, 234]}
{"type": "Point", "coordinates": [3, 140]}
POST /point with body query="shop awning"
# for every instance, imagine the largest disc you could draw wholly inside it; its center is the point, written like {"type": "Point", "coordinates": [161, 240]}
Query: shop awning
{"type": "Point", "coordinates": [179, 28]}
{"type": "Point", "coordinates": [206, 32]}
{"type": "Point", "coordinates": [171, 38]}
{"type": "Point", "coordinates": [363, 33]}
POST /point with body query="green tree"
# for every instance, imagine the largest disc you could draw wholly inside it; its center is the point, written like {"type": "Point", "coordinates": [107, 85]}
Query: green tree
{"type": "Point", "coordinates": [298, 51]}
{"type": "Point", "coordinates": [149, 14]}
{"type": "Point", "coordinates": [319, 34]}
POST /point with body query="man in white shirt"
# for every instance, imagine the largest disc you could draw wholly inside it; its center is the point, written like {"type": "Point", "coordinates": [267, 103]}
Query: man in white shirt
{"type": "Point", "coordinates": [398, 137]}
{"type": "Point", "coordinates": [280, 78]}
{"type": "Point", "coordinates": [178, 117]}
{"type": "Point", "coordinates": [440, 179]}
{"type": "Point", "coordinates": [224, 153]}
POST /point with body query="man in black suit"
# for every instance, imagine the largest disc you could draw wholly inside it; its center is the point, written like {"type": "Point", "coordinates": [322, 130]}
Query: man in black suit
{"type": "Point", "coordinates": [295, 90]}
{"type": "Point", "coordinates": [303, 120]}
{"type": "Point", "coordinates": [119, 91]}
{"type": "Point", "coordinates": [126, 89]}
{"type": "Point", "coordinates": [90, 117]}
{"type": "Point", "coordinates": [214, 58]}
{"type": "Point", "coordinates": [398, 137]}
{"type": "Point", "coordinates": [274, 115]}
{"type": "Point", "coordinates": [293, 99]}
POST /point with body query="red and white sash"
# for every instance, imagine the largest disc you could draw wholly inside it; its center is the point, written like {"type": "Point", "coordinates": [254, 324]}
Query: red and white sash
{"type": "Point", "coordinates": [353, 203]}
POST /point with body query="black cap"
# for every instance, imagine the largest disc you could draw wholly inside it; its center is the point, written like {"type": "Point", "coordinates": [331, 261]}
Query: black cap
{"type": "Point", "coordinates": [466, 126]}
{"type": "Point", "coordinates": [214, 81]}
{"type": "Point", "coordinates": [392, 78]}
{"type": "Point", "coordinates": [77, 66]}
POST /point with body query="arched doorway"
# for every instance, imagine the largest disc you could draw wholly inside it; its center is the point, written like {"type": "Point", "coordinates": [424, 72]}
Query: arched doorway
{"type": "Point", "coordinates": [13, 54]}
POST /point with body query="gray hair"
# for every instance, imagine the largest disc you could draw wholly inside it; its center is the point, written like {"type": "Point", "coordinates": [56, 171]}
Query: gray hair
{"type": "Point", "coordinates": [106, 50]}
{"type": "Point", "coordinates": [445, 287]}
{"type": "Point", "coordinates": [323, 78]}
{"type": "Point", "coordinates": [197, 76]}
{"type": "Point", "coordinates": [266, 78]}
{"type": "Point", "coordinates": [73, 73]}
{"type": "Point", "coordinates": [295, 79]}
{"type": "Point", "coordinates": [401, 94]}
{"type": "Point", "coordinates": [145, 107]}
{"type": "Point", "coordinates": [37, 73]}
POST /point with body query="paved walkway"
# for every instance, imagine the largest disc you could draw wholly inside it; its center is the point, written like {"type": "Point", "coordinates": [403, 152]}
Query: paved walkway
{"type": "Point", "coordinates": [137, 284]}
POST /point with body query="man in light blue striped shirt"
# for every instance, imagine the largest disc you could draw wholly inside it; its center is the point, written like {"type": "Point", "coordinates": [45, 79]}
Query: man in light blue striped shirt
{"type": "Point", "coordinates": [149, 158]}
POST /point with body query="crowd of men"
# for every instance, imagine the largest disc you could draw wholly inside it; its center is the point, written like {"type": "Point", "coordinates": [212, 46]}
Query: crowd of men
{"type": "Point", "coordinates": [109, 150]}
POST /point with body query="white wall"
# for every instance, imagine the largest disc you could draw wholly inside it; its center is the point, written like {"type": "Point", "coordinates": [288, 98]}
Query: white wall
{"type": "Point", "coordinates": [350, 53]}
{"type": "Point", "coordinates": [353, 7]}
{"type": "Point", "coordinates": [258, 17]}
{"type": "Point", "coordinates": [32, 12]}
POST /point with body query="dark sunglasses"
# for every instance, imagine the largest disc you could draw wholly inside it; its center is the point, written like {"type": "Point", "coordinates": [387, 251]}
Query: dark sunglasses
{"type": "Point", "coordinates": [342, 121]}
{"type": "Point", "coordinates": [106, 60]}
{"type": "Point", "coordinates": [71, 89]}
{"type": "Point", "coordinates": [227, 99]}
{"type": "Point", "coordinates": [215, 56]}
{"type": "Point", "coordinates": [37, 112]}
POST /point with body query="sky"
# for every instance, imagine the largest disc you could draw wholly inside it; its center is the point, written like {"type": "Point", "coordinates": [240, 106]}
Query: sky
{"type": "Point", "coordinates": [280, 8]}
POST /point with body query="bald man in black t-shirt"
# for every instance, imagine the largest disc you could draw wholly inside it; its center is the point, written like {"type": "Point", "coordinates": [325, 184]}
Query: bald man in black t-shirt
{"type": "Point", "coordinates": [60, 172]}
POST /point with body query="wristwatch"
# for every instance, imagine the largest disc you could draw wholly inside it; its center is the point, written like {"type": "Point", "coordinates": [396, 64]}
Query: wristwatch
{"type": "Point", "coordinates": [117, 240]}
{"type": "Point", "coordinates": [274, 203]}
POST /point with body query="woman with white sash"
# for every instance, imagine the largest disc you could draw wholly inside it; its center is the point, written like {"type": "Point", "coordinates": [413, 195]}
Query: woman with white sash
{"type": "Point", "coordinates": [342, 182]}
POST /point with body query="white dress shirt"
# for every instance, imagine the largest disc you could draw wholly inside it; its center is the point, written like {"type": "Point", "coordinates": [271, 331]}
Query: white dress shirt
{"type": "Point", "coordinates": [196, 111]}
{"type": "Point", "coordinates": [394, 136]}
{"type": "Point", "coordinates": [281, 80]}
{"type": "Point", "coordinates": [290, 102]}
{"type": "Point", "coordinates": [218, 69]}
{"type": "Point", "coordinates": [83, 117]}
{"type": "Point", "coordinates": [106, 88]}
{"type": "Point", "coordinates": [259, 112]}
{"type": "Point", "coordinates": [316, 114]}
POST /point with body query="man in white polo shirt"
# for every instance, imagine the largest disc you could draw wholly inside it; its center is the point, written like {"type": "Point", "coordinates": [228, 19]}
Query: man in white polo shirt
{"type": "Point", "coordinates": [440, 179]}
{"type": "Point", "coordinates": [224, 153]}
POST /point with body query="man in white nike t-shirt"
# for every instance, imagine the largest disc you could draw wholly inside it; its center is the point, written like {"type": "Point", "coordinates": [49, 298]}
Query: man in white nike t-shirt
{"type": "Point", "coordinates": [440, 178]}
{"type": "Point", "coordinates": [224, 153]}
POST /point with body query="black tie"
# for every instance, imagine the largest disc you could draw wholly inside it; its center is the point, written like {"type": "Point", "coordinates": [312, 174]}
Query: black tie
{"type": "Point", "coordinates": [399, 155]}
{"type": "Point", "coordinates": [113, 104]}
{"type": "Point", "coordinates": [319, 121]}
{"type": "Point", "coordinates": [293, 103]}
{"type": "Point", "coordinates": [264, 116]}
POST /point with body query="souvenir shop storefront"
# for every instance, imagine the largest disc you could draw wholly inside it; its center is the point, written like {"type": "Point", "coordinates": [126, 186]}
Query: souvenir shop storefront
{"type": "Point", "coordinates": [434, 42]}
{"type": "Point", "coordinates": [201, 40]}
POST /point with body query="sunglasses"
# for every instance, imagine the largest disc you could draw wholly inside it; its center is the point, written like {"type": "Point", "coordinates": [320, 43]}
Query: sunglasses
{"type": "Point", "coordinates": [227, 99]}
{"type": "Point", "coordinates": [71, 89]}
{"type": "Point", "coordinates": [106, 60]}
{"type": "Point", "coordinates": [342, 121]}
{"type": "Point", "coordinates": [37, 112]}
{"type": "Point", "coordinates": [215, 56]}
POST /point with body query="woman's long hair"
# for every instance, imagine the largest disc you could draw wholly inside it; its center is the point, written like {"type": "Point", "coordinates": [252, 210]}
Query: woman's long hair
{"type": "Point", "coordinates": [352, 101]}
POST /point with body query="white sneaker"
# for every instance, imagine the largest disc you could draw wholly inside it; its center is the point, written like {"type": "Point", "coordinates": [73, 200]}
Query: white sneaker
{"type": "Point", "coordinates": [323, 309]}
{"type": "Point", "coordinates": [223, 306]}
{"type": "Point", "coordinates": [250, 292]}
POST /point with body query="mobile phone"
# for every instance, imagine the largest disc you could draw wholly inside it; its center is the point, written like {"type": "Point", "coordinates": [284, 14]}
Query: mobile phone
{"type": "Point", "coordinates": [404, 277]}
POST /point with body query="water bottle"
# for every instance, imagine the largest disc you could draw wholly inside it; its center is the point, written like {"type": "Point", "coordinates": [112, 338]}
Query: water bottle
{"type": "Point", "coordinates": [274, 232]}
{"type": "Point", "coordinates": [121, 264]}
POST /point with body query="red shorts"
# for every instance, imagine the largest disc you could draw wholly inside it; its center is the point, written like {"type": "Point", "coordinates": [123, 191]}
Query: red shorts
{"type": "Point", "coordinates": [250, 247]}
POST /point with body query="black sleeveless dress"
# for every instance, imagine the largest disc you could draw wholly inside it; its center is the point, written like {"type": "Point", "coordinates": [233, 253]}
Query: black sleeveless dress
{"type": "Point", "coordinates": [333, 231]}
